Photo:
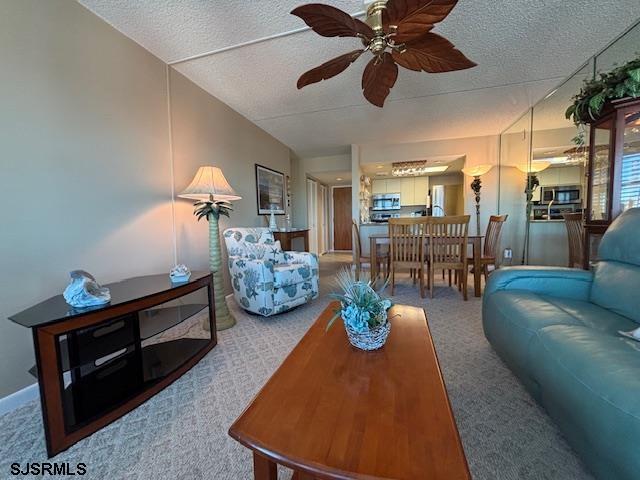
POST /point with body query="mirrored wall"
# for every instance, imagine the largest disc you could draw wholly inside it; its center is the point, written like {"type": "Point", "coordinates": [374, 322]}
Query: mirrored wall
{"type": "Point", "coordinates": [543, 169]}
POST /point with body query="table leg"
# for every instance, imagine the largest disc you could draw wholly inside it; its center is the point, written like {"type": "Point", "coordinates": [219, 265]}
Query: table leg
{"type": "Point", "coordinates": [285, 240]}
{"type": "Point", "coordinates": [477, 268]}
{"type": "Point", "coordinates": [306, 241]}
{"type": "Point", "coordinates": [373, 257]}
{"type": "Point", "coordinates": [263, 468]}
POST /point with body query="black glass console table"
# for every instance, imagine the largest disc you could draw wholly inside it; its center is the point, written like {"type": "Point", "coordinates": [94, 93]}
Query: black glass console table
{"type": "Point", "coordinates": [94, 365]}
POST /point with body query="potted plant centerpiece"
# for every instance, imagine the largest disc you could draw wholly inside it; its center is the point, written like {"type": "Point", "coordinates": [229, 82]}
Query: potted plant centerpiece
{"type": "Point", "coordinates": [363, 311]}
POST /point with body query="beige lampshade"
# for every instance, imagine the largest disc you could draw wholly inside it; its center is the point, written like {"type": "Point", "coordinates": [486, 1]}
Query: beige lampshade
{"type": "Point", "coordinates": [535, 167]}
{"type": "Point", "coordinates": [477, 171]}
{"type": "Point", "coordinates": [209, 181]}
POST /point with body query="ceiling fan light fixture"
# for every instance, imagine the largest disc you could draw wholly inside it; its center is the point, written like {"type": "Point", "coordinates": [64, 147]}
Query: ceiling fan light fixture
{"type": "Point", "coordinates": [396, 32]}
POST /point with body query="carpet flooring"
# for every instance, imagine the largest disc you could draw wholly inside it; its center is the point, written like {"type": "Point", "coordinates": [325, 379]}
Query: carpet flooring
{"type": "Point", "coordinates": [181, 433]}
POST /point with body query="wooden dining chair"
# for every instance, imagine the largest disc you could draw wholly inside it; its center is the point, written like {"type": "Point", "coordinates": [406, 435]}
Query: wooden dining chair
{"type": "Point", "coordinates": [491, 245]}
{"type": "Point", "coordinates": [575, 234]}
{"type": "Point", "coordinates": [407, 237]}
{"type": "Point", "coordinates": [447, 239]}
{"type": "Point", "coordinates": [361, 261]}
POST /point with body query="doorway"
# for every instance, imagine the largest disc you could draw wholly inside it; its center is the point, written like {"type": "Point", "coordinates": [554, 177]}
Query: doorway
{"type": "Point", "coordinates": [342, 218]}
{"type": "Point", "coordinates": [323, 230]}
{"type": "Point", "coordinates": [312, 214]}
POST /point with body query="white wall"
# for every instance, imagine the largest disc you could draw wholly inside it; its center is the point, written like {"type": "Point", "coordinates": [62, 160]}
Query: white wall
{"type": "Point", "coordinates": [85, 171]}
{"type": "Point", "coordinates": [208, 132]}
{"type": "Point", "coordinates": [305, 167]}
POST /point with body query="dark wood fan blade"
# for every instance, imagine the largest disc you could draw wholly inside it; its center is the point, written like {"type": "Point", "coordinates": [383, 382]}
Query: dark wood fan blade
{"type": "Point", "coordinates": [329, 69]}
{"type": "Point", "coordinates": [432, 53]}
{"type": "Point", "coordinates": [329, 21]}
{"type": "Point", "coordinates": [414, 18]}
{"type": "Point", "coordinates": [401, 10]}
{"type": "Point", "coordinates": [378, 79]}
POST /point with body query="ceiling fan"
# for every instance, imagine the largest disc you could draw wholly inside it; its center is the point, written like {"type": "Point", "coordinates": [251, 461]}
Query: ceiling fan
{"type": "Point", "coordinates": [396, 32]}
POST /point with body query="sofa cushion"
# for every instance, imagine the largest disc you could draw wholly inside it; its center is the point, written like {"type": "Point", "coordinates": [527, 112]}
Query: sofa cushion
{"type": "Point", "coordinates": [291, 274]}
{"type": "Point", "coordinates": [511, 319]}
{"type": "Point", "coordinates": [621, 242]}
{"type": "Point", "coordinates": [616, 286]}
{"type": "Point", "coordinates": [593, 316]}
{"type": "Point", "coordinates": [589, 384]}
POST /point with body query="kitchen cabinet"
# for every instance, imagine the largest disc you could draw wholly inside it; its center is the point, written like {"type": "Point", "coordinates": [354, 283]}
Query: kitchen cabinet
{"type": "Point", "coordinates": [421, 190]}
{"type": "Point", "coordinates": [413, 190]}
{"type": "Point", "coordinates": [394, 185]}
{"type": "Point", "coordinates": [554, 176]}
{"type": "Point", "coordinates": [407, 191]}
{"type": "Point", "coordinates": [378, 186]}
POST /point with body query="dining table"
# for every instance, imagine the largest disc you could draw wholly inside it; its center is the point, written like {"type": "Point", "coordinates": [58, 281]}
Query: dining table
{"type": "Point", "coordinates": [474, 240]}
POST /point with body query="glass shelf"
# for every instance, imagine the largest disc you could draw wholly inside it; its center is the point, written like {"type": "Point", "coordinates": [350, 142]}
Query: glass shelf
{"type": "Point", "coordinates": [113, 362]}
{"type": "Point", "coordinates": [124, 377]}
{"type": "Point", "coordinates": [158, 320]}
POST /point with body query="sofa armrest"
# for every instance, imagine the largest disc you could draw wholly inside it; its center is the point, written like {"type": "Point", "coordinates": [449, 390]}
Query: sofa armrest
{"type": "Point", "coordinates": [556, 281]}
{"type": "Point", "coordinates": [306, 258]}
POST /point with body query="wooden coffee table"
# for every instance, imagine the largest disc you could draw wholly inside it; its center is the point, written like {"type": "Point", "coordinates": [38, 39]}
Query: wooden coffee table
{"type": "Point", "coordinates": [332, 411]}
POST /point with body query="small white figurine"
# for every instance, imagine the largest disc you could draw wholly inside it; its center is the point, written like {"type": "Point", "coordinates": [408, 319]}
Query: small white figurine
{"type": "Point", "coordinates": [273, 226]}
{"type": "Point", "coordinates": [180, 273]}
{"type": "Point", "coordinates": [84, 291]}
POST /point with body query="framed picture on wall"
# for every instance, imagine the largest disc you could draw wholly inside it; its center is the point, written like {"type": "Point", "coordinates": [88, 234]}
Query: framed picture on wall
{"type": "Point", "coordinates": [270, 186]}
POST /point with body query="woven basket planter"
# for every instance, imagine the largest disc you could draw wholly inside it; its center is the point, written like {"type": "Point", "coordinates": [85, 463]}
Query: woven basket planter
{"type": "Point", "coordinates": [371, 340]}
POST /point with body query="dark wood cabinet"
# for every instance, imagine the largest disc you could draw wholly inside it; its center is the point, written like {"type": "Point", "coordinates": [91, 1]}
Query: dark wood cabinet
{"type": "Point", "coordinates": [613, 183]}
{"type": "Point", "coordinates": [95, 364]}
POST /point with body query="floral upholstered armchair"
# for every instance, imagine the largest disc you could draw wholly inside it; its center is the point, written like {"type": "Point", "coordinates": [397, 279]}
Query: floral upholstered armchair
{"type": "Point", "coordinates": [265, 279]}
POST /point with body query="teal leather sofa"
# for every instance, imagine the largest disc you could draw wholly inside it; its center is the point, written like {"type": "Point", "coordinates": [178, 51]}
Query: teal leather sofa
{"type": "Point", "coordinates": [557, 329]}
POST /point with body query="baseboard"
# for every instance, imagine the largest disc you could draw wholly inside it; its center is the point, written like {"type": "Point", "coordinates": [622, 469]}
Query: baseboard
{"type": "Point", "coordinates": [19, 398]}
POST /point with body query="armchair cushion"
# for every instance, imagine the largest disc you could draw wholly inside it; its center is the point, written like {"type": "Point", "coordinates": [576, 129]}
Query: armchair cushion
{"type": "Point", "coordinates": [290, 274]}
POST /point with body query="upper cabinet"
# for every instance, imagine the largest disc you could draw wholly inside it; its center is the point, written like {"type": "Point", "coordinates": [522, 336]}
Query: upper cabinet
{"type": "Point", "coordinates": [413, 190]}
{"type": "Point", "coordinates": [421, 190]}
{"type": "Point", "coordinates": [564, 175]}
{"type": "Point", "coordinates": [394, 185]}
{"type": "Point", "coordinates": [407, 191]}
{"type": "Point", "coordinates": [378, 186]}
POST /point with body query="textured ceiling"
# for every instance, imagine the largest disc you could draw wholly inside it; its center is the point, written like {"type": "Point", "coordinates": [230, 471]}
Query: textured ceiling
{"type": "Point", "coordinates": [523, 49]}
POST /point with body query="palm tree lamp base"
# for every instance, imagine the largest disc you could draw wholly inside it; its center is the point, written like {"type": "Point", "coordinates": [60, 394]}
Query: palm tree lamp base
{"type": "Point", "coordinates": [213, 194]}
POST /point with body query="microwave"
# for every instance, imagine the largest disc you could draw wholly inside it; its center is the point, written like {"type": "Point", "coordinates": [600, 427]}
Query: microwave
{"type": "Point", "coordinates": [385, 201]}
{"type": "Point", "coordinates": [561, 195]}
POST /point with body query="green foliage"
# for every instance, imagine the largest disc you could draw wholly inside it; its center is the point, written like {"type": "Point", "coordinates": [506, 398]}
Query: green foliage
{"type": "Point", "coordinates": [362, 295]}
{"type": "Point", "coordinates": [210, 207]}
{"type": "Point", "coordinates": [619, 83]}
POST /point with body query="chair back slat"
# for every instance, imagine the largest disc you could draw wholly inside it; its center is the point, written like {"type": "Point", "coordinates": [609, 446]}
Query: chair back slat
{"type": "Point", "coordinates": [355, 234]}
{"type": "Point", "coordinates": [407, 238]}
{"type": "Point", "coordinates": [492, 237]}
{"type": "Point", "coordinates": [448, 237]}
{"type": "Point", "coordinates": [575, 233]}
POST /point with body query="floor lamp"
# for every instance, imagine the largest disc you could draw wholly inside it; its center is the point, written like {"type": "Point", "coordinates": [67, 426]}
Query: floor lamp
{"type": "Point", "coordinates": [213, 194]}
{"type": "Point", "coordinates": [532, 185]}
{"type": "Point", "coordinates": [476, 172]}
